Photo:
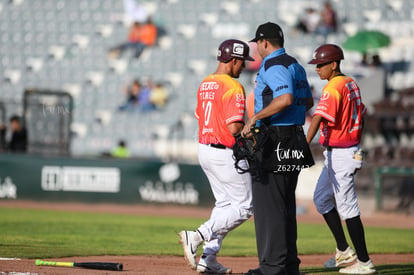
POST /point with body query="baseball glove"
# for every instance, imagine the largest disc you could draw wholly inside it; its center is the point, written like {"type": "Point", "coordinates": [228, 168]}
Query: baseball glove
{"type": "Point", "coordinates": [246, 148]}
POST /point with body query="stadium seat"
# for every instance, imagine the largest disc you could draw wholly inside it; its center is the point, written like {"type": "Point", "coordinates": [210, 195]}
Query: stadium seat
{"type": "Point", "coordinates": [13, 76]}
{"type": "Point", "coordinates": [63, 45]}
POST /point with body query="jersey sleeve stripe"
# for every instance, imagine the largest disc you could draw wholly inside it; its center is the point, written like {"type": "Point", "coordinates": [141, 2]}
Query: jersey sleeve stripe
{"type": "Point", "coordinates": [234, 118]}
{"type": "Point", "coordinates": [325, 115]}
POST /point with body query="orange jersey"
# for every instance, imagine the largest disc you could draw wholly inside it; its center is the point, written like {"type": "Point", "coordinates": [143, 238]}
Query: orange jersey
{"type": "Point", "coordinates": [220, 101]}
{"type": "Point", "coordinates": [143, 33]}
{"type": "Point", "coordinates": [342, 107]}
{"type": "Point", "coordinates": [148, 34]}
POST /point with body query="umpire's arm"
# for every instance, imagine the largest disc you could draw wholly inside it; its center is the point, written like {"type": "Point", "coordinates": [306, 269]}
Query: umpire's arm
{"type": "Point", "coordinates": [276, 105]}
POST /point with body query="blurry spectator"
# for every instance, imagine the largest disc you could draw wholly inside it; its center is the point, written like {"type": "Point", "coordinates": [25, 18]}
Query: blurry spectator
{"type": "Point", "coordinates": [364, 60]}
{"type": "Point", "coordinates": [148, 33]}
{"type": "Point", "coordinates": [140, 36]}
{"type": "Point", "coordinates": [132, 101]}
{"type": "Point", "coordinates": [328, 23]}
{"type": "Point", "coordinates": [376, 61]}
{"type": "Point", "coordinates": [18, 141]}
{"type": "Point", "coordinates": [373, 61]}
{"type": "Point", "coordinates": [309, 21]}
{"type": "Point", "coordinates": [372, 64]}
{"type": "Point", "coordinates": [377, 64]}
{"type": "Point", "coordinates": [120, 151]}
{"type": "Point", "coordinates": [158, 96]}
{"type": "Point", "coordinates": [144, 99]}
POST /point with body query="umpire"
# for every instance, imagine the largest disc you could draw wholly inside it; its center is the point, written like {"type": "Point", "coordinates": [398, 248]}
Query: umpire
{"type": "Point", "coordinates": [282, 97]}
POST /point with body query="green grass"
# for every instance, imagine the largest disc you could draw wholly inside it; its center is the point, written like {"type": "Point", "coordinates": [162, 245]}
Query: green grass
{"type": "Point", "coordinates": [28, 233]}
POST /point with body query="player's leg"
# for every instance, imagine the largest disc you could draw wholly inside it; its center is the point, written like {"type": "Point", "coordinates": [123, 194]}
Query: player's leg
{"type": "Point", "coordinates": [346, 200]}
{"type": "Point", "coordinates": [342, 178]}
{"type": "Point", "coordinates": [191, 240]}
{"type": "Point", "coordinates": [357, 234]}
{"type": "Point", "coordinates": [233, 195]}
{"type": "Point", "coordinates": [232, 192]}
{"type": "Point", "coordinates": [333, 221]}
{"type": "Point", "coordinates": [364, 264]}
{"type": "Point", "coordinates": [325, 203]}
{"type": "Point", "coordinates": [323, 195]}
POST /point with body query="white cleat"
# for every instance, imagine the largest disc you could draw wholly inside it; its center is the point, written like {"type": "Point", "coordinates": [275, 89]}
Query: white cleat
{"type": "Point", "coordinates": [208, 264]}
{"type": "Point", "coordinates": [341, 257]}
{"type": "Point", "coordinates": [190, 240]}
{"type": "Point", "coordinates": [359, 268]}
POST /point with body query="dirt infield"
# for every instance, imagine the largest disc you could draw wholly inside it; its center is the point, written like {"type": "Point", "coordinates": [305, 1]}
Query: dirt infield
{"type": "Point", "coordinates": [167, 265]}
{"type": "Point", "coordinates": [157, 265]}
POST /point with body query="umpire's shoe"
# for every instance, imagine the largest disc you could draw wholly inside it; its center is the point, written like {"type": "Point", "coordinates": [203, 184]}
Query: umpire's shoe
{"type": "Point", "coordinates": [208, 264]}
{"type": "Point", "coordinates": [256, 271]}
{"type": "Point", "coordinates": [190, 240]}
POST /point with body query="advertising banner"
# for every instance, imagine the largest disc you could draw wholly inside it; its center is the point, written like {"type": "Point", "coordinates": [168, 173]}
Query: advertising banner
{"type": "Point", "coordinates": [105, 180]}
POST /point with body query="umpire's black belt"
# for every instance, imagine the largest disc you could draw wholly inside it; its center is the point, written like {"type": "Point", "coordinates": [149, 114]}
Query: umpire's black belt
{"type": "Point", "coordinates": [218, 146]}
{"type": "Point", "coordinates": [286, 130]}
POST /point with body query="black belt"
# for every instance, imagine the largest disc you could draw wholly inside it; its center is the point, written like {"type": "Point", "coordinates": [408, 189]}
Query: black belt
{"type": "Point", "coordinates": [218, 146]}
{"type": "Point", "coordinates": [283, 130]}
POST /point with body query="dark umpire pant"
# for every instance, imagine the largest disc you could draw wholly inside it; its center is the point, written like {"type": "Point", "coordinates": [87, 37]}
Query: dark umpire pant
{"type": "Point", "coordinates": [274, 205]}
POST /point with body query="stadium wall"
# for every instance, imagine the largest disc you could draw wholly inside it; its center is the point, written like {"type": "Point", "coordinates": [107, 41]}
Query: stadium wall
{"type": "Point", "coordinates": [32, 177]}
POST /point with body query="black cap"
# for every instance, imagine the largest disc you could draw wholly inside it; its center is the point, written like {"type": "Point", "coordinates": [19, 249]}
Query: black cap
{"type": "Point", "coordinates": [268, 30]}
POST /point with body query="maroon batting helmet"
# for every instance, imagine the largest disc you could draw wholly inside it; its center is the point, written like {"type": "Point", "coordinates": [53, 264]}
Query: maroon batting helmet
{"type": "Point", "coordinates": [233, 48]}
{"type": "Point", "coordinates": [326, 53]}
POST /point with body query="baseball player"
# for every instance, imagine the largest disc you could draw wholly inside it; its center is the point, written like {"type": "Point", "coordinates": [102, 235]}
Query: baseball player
{"type": "Point", "coordinates": [220, 112]}
{"type": "Point", "coordinates": [339, 115]}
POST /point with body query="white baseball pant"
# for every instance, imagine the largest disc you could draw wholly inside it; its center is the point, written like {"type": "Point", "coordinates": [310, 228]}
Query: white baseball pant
{"type": "Point", "coordinates": [232, 192]}
{"type": "Point", "coordinates": [335, 186]}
